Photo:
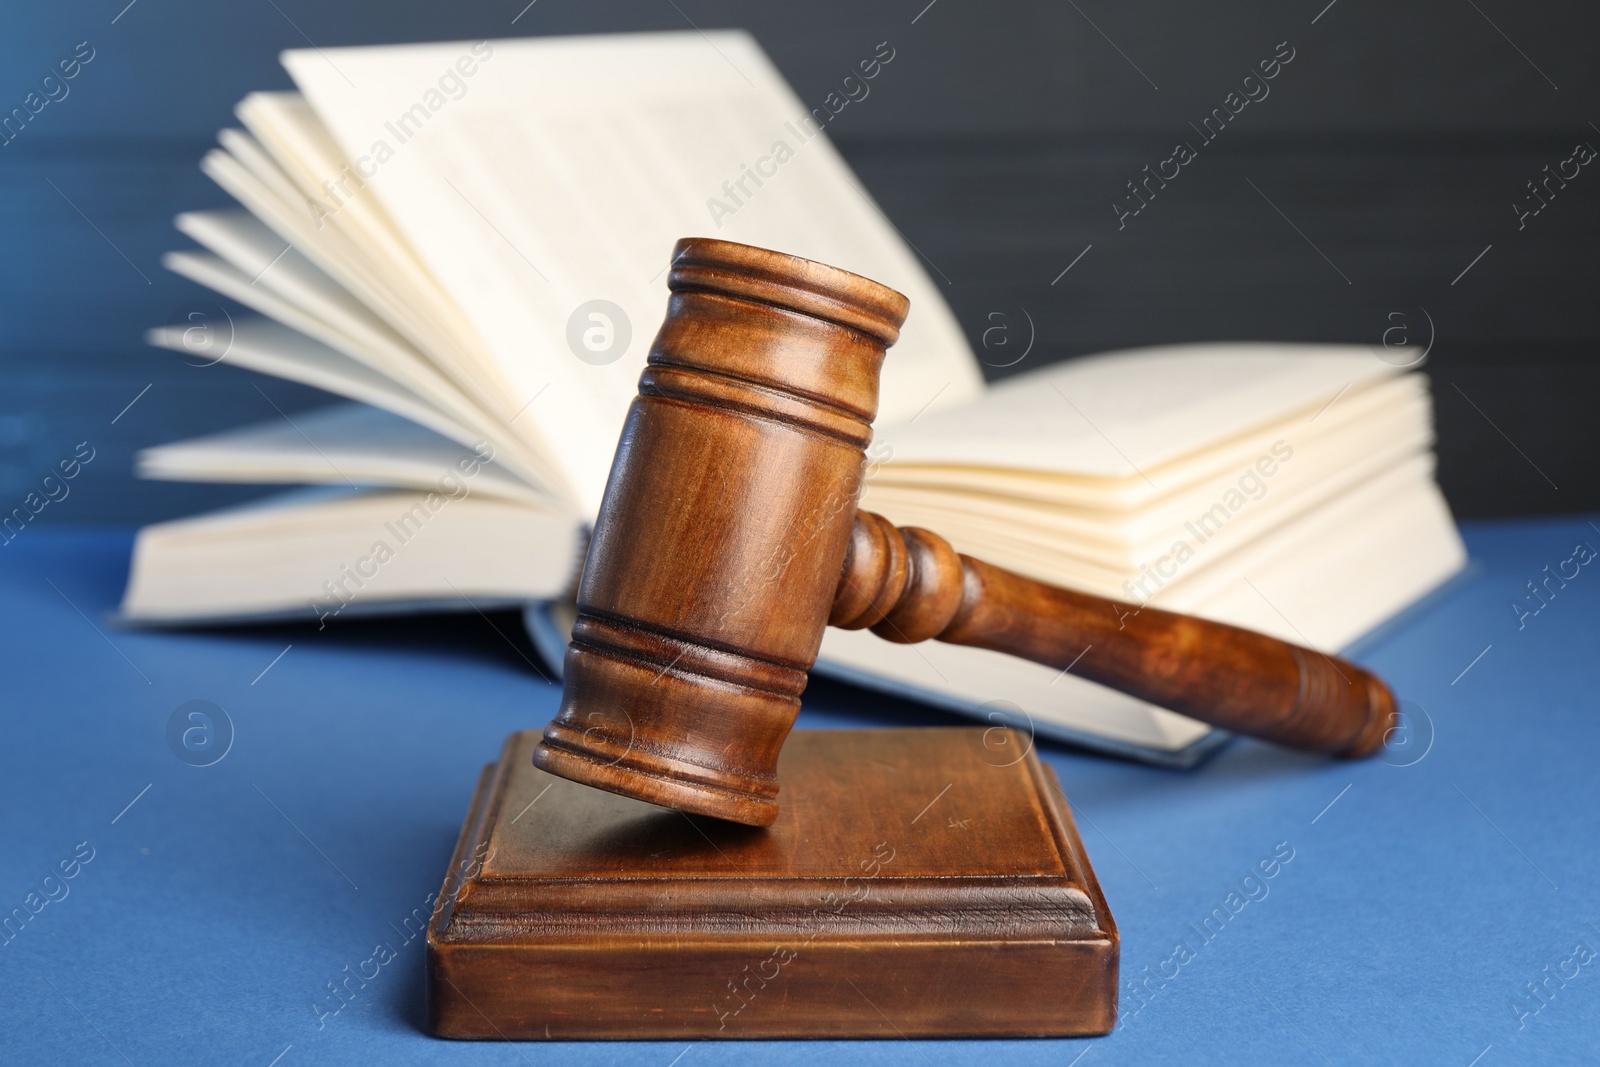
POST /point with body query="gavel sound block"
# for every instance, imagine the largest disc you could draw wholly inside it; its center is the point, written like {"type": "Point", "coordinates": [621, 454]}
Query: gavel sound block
{"type": "Point", "coordinates": [917, 883]}
{"type": "Point", "coordinates": [729, 538]}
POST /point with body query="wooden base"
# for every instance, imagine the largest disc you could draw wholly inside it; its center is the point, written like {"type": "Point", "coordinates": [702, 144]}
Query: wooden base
{"type": "Point", "coordinates": [918, 882]}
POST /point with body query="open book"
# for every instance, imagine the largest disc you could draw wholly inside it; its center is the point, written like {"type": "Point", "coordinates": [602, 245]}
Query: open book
{"type": "Point", "coordinates": [468, 242]}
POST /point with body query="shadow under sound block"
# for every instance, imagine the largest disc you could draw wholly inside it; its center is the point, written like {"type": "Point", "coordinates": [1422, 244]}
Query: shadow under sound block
{"type": "Point", "coordinates": [917, 883]}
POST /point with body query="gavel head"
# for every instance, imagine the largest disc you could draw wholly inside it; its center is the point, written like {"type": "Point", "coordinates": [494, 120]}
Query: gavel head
{"type": "Point", "coordinates": [724, 528]}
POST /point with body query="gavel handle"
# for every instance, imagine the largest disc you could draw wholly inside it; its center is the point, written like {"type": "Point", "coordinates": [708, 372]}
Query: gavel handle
{"type": "Point", "coordinates": [909, 585]}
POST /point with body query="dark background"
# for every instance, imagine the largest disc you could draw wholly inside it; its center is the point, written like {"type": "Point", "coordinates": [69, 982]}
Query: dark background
{"type": "Point", "coordinates": [1386, 158]}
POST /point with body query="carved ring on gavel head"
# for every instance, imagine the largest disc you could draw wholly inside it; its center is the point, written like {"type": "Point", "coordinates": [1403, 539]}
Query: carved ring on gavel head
{"type": "Point", "coordinates": [729, 538]}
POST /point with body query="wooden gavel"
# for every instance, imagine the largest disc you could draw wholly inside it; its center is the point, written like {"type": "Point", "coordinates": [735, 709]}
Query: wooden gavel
{"type": "Point", "coordinates": [729, 538]}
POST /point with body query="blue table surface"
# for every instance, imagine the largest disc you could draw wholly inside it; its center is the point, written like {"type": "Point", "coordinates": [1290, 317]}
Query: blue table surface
{"type": "Point", "coordinates": [1440, 905]}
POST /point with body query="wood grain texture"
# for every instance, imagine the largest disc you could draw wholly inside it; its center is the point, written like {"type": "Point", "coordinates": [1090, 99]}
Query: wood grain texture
{"type": "Point", "coordinates": [729, 538]}
{"type": "Point", "coordinates": [909, 585]}
{"type": "Point", "coordinates": [716, 552]}
{"type": "Point", "coordinates": [918, 882]}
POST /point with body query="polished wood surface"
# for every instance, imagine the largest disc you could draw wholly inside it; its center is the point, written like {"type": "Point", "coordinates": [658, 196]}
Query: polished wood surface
{"type": "Point", "coordinates": [729, 538]}
{"type": "Point", "coordinates": [918, 882]}
{"type": "Point", "coordinates": [715, 556]}
{"type": "Point", "coordinates": [909, 585]}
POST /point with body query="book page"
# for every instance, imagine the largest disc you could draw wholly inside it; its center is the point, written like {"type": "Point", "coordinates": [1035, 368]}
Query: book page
{"type": "Point", "coordinates": [315, 554]}
{"type": "Point", "coordinates": [257, 271]}
{"type": "Point", "coordinates": [268, 347]}
{"type": "Point", "coordinates": [341, 444]}
{"type": "Point", "coordinates": [1123, 415]}
{"type": "Point", "coordinates": [533, 177]}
